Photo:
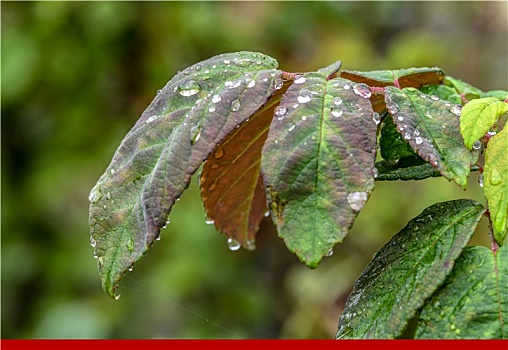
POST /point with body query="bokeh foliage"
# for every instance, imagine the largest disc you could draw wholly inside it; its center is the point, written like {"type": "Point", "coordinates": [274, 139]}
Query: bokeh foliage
{"type": "Point", "coordinates": [75, 78]}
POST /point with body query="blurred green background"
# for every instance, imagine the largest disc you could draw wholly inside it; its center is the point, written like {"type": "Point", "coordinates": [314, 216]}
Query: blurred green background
{"type": "Point", "coordinates": [75, 78]}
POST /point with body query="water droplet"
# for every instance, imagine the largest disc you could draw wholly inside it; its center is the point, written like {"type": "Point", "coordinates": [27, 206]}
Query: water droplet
{"type": "Point", "coordinates": [216, 98]}
{"type": "Point", "coordinates": [346, 87]}
{"type": "Point", "coordinates": [357, 200]}
{"type": "Point", "coordinates": [376, 118]}
{"type": "Point", "coordinates": [95, 194]}
{"type": "Point", "coordinates": [313, 137]}
{"type": "Point", "coordinates": [158, 238]}
{"type": "Point", "coordinates": [330, 252]}
{"type": "Point", "coordinates": [300, 80]}
{"type": "Point", "coordinates": [434, 98]}
{"type": "Point", "coordinates": [278, 84]}
{"type": "Point", "coordinates": [151, 119]}
{"type": "Point", "coordinates": [108, 196]}
{"type": "Point", "coordinates": [491, 132]}
{"type": "Point", "coordinates": [117, 297]}
{"type": "Point", "coordinates": [211, 109]}
{"type": "Point", "coordinates": [280, 111]}
{"type": "Point", "coordinates": [401, 118]}
{"type": "Point", "coordinates": [188, 88]}
{"type": "Point", "coordinates": [337, 101]}
{"type": "Point", "coordinates": [336, 112]}
{"type": "Point", "coordinates": [427, 114]}
{"type": "Point", "coordinates": [131, 268]}
{"type": "Point", "coordinates": [295, 106]}
{"type": "Point", "coordinates": [233, 244]}
{"type": "Point", "coordinates": [304, 96]}
{"type": "Point", "coordinates": [407, 136]}
{"type": "Point", "coordinates": [418, 140]}
{"type": "Point", "coordinates": [452, 327]}
{"type": "Point", "coordinates": [195, 133]}
{"type": "Point", "coordinates": [235, 105]}
{"type": "Point", "coordinates": [477, 145]}
{"type": "Point", "coordinates": [292, 127]}
{"type": "Point", "coordinates": [304, 117]}
{"type": "Point", "coordinates": [392, 108]}
{"type": "Point", "coordinates": [375, 172]}
{"type": "Point", "coordinates": [242, 62]}
{"type": "Point", "coordinates": [209, 221]}
{"type": "Point", "coordinates": [93, 243]}
{"type": "Point", "coordinates": [456, 110]}
{"type": "Point", "coordinates": [362, 90]}
{"type": "Point", "coordinates": [267, 214]}
{"type": "Point", "coordinates": [227, 61]}
{"type": "Point", "coordinates": [480, 180]}
{"type": "Point", "coordinates": [250, 83]}
{"type": "Point", "coordinates": [250, 245]}
{"type": "Point", "coordinates": [495, 177]}
{"type": "Point", "coordinates": [417, 132]}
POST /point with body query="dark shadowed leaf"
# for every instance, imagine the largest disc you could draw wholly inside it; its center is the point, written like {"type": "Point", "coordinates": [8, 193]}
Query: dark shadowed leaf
{"type": "Point", "coordinates": [431, 127]}
{"type": "Point", "coordinates": [154, 163]}
{"type": "Point", "coordinates": [473, 302]}
{"type": "Point", "coordinates": [391, 143]}
{"type": "Point", "coordinates": [478, 116]}
{"type": "Point", "coordinates": [318, 162]}
{"type": "Point", "coordinates": [495, 176]}
{"type": "Point", "coordinates": [410, 168]}
{"type": "Point", "coordinates": [232, 188]}
{"type": "Point", "coordinates": [408, 270]}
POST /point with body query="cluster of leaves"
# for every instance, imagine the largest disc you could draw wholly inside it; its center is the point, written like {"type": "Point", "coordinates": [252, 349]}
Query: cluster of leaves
{"type": "Point", "coordinates": [303, 148]}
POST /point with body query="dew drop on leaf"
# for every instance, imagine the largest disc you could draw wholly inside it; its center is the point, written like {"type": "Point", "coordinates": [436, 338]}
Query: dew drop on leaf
{"type": "Point", "coordinates": [434, 98]}
{"type": "Point", "coordinates": [93, 243]}
{"type": "Point", "coordinates": [362, 90]}
{"type": "Point", "coordinates": [188, 88]}
{"type": "Point", "coordinates": [357, 200]}
{"type": "Point", "coordinates": [418, 140]}
{"type": "Point", "coordinates": [209, 221]}
{"type": "Point", "coordinates": [477, 145]}
{"type": "Point", "coordinates": [278, 84]}
{"type": "Point", "coordinates": [456, 110]}
{"type": "Point", "coordinates": [151, 119]}
{"type": "Point", "coordinates": [392, 108]}
{"type": "Point", "coordinates": [216, 98]}
{"type": "Point", "coordinates": [250, 82]}
{"type": "Point", "coordinates": [407, 136]}
{"type": "Point", "coordinates": [300, 80]}
{"type": "Point", "coordinates": [330, 252]}
{"type": "Point", "coordinates": [336, 112]}
{"type": "Point", "coordinates": [280, 111]}
{"type": "Point", "coordinates": [304, 96]}
{"type": "Point", "coordinates": [195, 133]}
{"type": "Point", "coordinates": [211, 109]}
{"type": "Point", "coordinates": [233, 244]}
{"type": "Point", "coordinates": [337, 101]}
{"type": "Point", "coordinates": [243, 62]}
{"type": "Point", "coordinates": [346, 87]}
{"type": "Point", "coordinates": [292, 127]}
{"type": "Point", "coordinates": [480, 181]}
{"type": "Point", "coordinates": [376, 118]}
{"type": "Point", "coordinates": [235, 105]}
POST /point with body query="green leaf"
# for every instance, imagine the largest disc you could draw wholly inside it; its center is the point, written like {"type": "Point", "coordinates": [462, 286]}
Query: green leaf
{"type": "Point", "coordinates": [473, 302]}
{"type": "Point", "coordinates": [155, 161]}
{"type": "Point", "coordinates": [391, 143]}
{"type": "Point", "coordinates": [443, 92]}
{"type": "Point", "coordinates": [408, 270]}
{"type": "Point", "coordinates": [462, 88]}
{"type": "Point", "coordinates": [318, 162]}
{"type": "Point", "coordinates": [431, 126]}
{"type": "Point", "coordinates": [499, 94]}
{"type": "Point", "coordinates": [478, 116]}
{"type": "Point", "coordinates": [410, 77]}
{"type": "Point", "coordinates": [495, 175]}
{"type": "Point", "coordinates": [406, 169]}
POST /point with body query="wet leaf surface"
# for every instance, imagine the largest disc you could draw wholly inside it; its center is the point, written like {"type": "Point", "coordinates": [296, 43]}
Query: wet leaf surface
{"type": "Point", "coordinates": [495, 178]}
{"type": "Point", "coordinates": [391, 143]}
{"type": "Point", "coordinates": [318, 162]}
{"type": "Point", "coordinates": [408, 270]}
{"type": "Point", "coordinates": [411, 77]}
{"type": "Point", "coordinates": [478, 116]}
{"type": "Point", "coordinates": [231, 185]}
{"type": "Point", "coordinates": [473, 302]}
{"type": "Point", "coordinates": [411, 168]}
{"type": "Point", "coordinates": [443, 92]}
{"type": "Point", "coordinates": [431, 127]}
{"type": "Point", "coordinates": [174, 135]}
{"type": "Point", "coordinates": [462, 88]}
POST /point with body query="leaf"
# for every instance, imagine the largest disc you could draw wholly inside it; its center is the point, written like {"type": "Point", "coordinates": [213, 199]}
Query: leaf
{"type": "Point", "coordinates": [478, 116]}
{"type": "Point", "coordinates": [155, 161]}
{"type": "Point", "coordinates": [499, 94]}
{"type": "Point", "coordinates": [232, 188]}
{"type": "Point", "coordinates": [404, 171]}
{"type": "Point", "coordinates": [495, 175]}
{"type": "Point", "coordinates": [431, 126]}
{"type": "Point", "coordinates": [473, 302]}
{"type": "Point", "coordinates": [408, 270]}
{"type": "Point", "coordinates": [410, 77]}
{"type": "Point", "coordinates": [319, 153]}
{"type": "Point", "coordinates": [462, 88]}
{"type": "Point", "coordinates": [391, 143]}
{"type": "Point", "coordinates": [443, 92]}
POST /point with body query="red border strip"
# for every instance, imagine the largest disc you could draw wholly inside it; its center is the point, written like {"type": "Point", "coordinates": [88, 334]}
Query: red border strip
{"type": "Point", "coordinates": [11, 344]}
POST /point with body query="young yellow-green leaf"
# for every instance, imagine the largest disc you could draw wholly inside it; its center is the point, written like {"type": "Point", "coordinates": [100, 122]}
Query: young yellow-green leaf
{"type": "Point", "coordinates": [473, 302]}
{"type": "Point", "coordinates": [408, 270]}
{"type": "Point", "coordinates": [318, 162]}
{"type": "Point", "coordinates": [495, 177]}
{"type": "Point", "coordinates": [431, 126]}
{"type": "Point", "coordinates": [154, 163]}
{"type": "Point", "coordinates": [478, 116]}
